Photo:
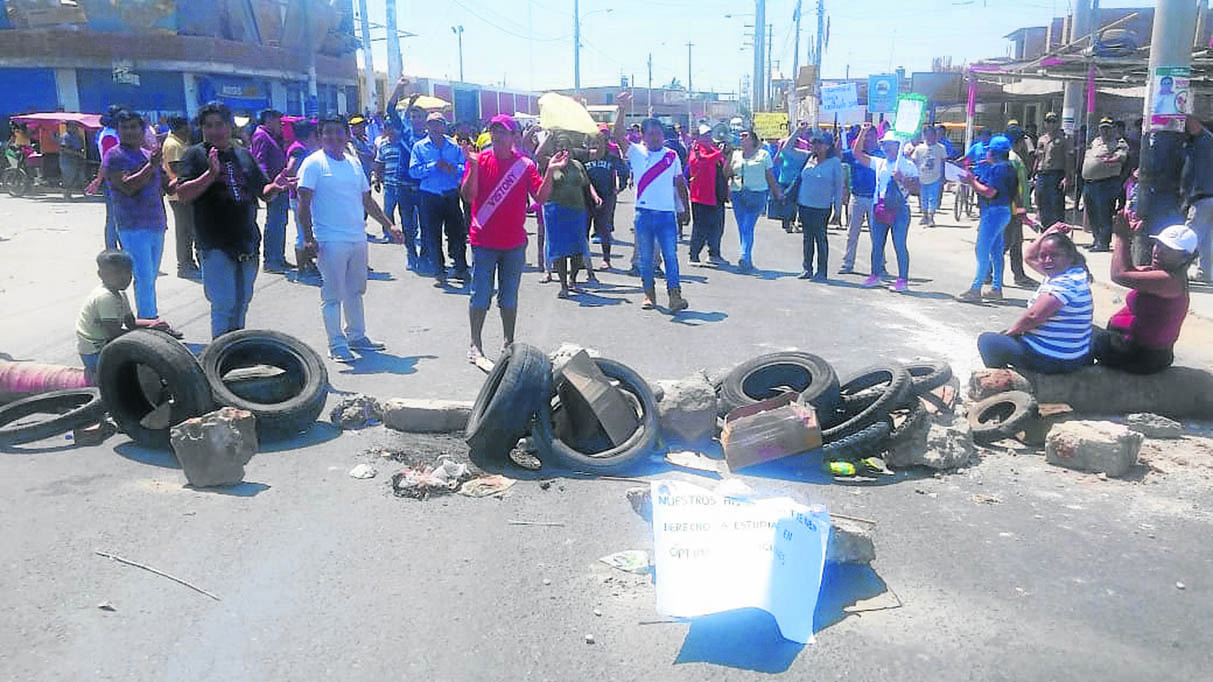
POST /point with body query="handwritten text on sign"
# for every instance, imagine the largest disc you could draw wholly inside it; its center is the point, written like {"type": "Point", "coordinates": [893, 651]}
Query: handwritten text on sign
{"type": "Point", "coordinates": [715, 553]}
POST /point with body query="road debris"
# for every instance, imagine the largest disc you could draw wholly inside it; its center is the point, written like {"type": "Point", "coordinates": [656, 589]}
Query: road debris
{"type": "Point", "coordinates": [214, 448]}
{"type": "Point", "coordinates": [1094, 446]}
{"type": "Point", "coordinates": [157, 571]}
{"type": "Point", "coordinates": [363, 471]}
{"type": "Point", "coordinates": [422, 483]}
{"type": "Point", "coordinates": [517, 522]}
{"type": "Point", "coordinates": [630, 561]}
{"type": "Point", "coordinates": [357, 412]}
{"type": "Point", "coordinates": [106, 606]}
{"type": "Point", "coordinates": [1154, 426]}
{"type": "Point", "coordinates": [768, 430]}
{"type": "Point", "coordinates": [589, 639]}
{"type": "Point", "coordinates": [485, 486]}
{"type": "Point", "coordinates": [689, 459]}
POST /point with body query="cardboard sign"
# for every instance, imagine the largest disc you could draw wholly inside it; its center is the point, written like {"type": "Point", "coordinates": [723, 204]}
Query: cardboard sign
{"type": "Point", "coordinates": [882, 93]}
{"type": "Point", "coordinates": [768, 430]}
{"type": "Point", "coordinates": [839, 97]}
{"type": "Point", "coordinates": [716, 553]}
{"type": "Point", "coordinates": [911, 112]}
{"type": "Point", "coordinates": [771, 124]}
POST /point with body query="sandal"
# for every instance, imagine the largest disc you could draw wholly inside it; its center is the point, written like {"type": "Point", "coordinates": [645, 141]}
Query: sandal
{"type": "Point", "coordinates": [547, 278]}
{"type": "Point", "coordinates": [606, 265]}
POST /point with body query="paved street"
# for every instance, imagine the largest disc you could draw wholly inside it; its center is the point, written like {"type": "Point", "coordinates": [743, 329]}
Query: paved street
{"type": "Point", "coordinates": [1008, 570]}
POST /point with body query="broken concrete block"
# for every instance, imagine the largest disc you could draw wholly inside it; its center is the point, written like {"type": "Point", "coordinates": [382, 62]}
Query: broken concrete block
{"type": "Point", "coordinates": [1175, 392]}
{"type": "Point", "coordinates": [1154, 426]}
{"type": "Point", "coordinates": [850, 541]}
{"type": "Point", "coordinates": [936, 446]}
{"type": "Point", "coordinates": [1099, 447]}
{"type": "Point", "coordinates": [984, 383]}
{"type": "Point", "coordinates": [688, 410]}
{"type": "Point", "coordinates": [214, 448]}
{"type": "Point", "coordinates": [1036, 431]}
{"type": "Point", "coordinates": [426, 416]}
{"type": "Point", "coordinates": [356, 412]}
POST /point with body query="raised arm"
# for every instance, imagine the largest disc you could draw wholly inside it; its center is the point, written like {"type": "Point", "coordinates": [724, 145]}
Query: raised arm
{"type": "Point", "coordinates": [861, 156]}
{"type": "Point", "coordinates": [620, 127]}
{"type": "Point", "coordinates": [131, 184]}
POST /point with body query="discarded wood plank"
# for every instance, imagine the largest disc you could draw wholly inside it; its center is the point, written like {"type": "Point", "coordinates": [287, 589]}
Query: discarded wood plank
{"type": "Point", "coordinates": [158, 572]}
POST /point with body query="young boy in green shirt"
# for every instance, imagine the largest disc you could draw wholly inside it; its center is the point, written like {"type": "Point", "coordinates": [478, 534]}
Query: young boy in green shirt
{"type": "Point", "coordinates": [107, 313]}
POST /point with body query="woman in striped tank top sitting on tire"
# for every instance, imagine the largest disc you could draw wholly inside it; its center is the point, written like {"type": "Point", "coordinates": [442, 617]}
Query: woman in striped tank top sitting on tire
{"type": "Point", "coordinates": [1054, 334]}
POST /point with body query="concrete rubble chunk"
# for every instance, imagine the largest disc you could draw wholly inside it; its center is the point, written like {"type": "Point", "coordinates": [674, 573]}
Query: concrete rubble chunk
{"type": "Point", "coordinates": [1154, 426]}
{"type": "Point", "coordinates": [1095, 446]}
{"type": "Point", "coordinates": [356, 412]}
{"type": "Point", "coordinates": [851, 540]}
{"type": "Point", "coordinates": [688, 409]}
{"type": "Point", "coordinates": [1175, 392]}
{"type": "Point", "coordinates": [984, 383]}
{"type": "Point", "coordinates": [214, 448]}
{"type": "Point", "coordinates": [936, 446]}
{"type": "Point", "coordinates": [426, 416]}
{"type": "Point", "coordinates": [1047, 416]}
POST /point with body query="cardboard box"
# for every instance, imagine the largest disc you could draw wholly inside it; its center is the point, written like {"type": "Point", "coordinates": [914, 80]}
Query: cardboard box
{"type": "Point", "coordinates": [769, 430]}
{"type": "Point", "coordinates": [592, 400]}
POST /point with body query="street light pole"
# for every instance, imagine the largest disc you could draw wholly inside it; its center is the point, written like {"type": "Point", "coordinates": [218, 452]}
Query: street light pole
{"type": "Point", "coordinates": [394, 65]}
{"type": "Point", "coordinates": [368, 64]}
{"type": "Point", "coordinates": [458, 31]}
{"type": "Point", "coordinates": [577, 47]}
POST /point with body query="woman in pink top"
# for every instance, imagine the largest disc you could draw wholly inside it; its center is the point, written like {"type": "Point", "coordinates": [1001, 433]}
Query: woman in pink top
{"type": "Point", "coordinates": [1141, 336]}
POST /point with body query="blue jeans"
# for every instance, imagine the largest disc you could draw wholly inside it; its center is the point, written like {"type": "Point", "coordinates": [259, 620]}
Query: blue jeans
{"type": "Point", "coordinates": [1000, 351]}
{"type": "Point", "coordinates": [111, 227]}
{"type": "Point", "coordinates": [900, 230]}
{"type": "Point", "coordinates": [407, 200]}
{"type": "Point", "coordinates": [507, 265]}
{"type": "Point", "coordinates": [991, 242]}
{"type": "Point", "coordinates": [748, 205]}
{"type": "Point", "coordinates": [275, 230]}
{"type": "Point", "coordinates": [145, 248]}
{"type": "Point", "coordinates": [90, 360]}
{"type": "Point", "coordinates": [1099, 197]}
{"type": "Point", "coordinates": [930, 196]}
{"type": "Point", "coordinates": [657, 229]}
{"type": "Point", "coordinates": [1050, 198]}
{"type": "Point", "coordinates": [228, 285]}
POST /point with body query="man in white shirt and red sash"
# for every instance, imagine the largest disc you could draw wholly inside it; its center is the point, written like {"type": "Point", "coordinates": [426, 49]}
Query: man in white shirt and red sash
{"type": "Point", "coordinates": [496, 184]}
{"type": "Point", "coordinates": [658, 173]}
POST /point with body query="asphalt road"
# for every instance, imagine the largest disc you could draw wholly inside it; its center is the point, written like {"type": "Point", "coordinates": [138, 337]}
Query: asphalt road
{"type": "Point", "coordinates": [1007, 570]}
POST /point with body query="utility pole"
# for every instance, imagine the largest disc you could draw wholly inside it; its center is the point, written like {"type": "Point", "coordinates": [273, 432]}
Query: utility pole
{"type": "Point", "coordinates": [821, 27]}
{"type": "Point", "coordinates": [1162, 143]}
{"type": "Point", "coordinates": [458, 31]}
{"type": "Point", "coordinates": [577, 47]}
{"type": "Point", "coordinates": [312, 106]}
{"type": "Point", "coordinates": [793, 109]}
{"type": "Point", "coordinates": [760, 32]}
{"type": "Point", "coordinates": [394, 65]}
{"type": "Point", "coordinates": [689, 46]}
{"type": "Point", "coordinates": [650, 89]}
{"type": "Point", "coordinates": [368, 63]}
{"type": "Point", "coordinates": [769, 84]}
{"type": "Point", "coordinates": [1072, 94]}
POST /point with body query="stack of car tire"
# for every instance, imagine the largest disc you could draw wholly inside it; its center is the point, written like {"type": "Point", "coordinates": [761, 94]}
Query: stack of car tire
{"type": "Point", "coordinates": [145, 372]}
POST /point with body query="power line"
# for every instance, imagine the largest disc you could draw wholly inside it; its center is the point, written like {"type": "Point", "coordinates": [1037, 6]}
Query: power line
{"type": "Point", "coordinates": [479, 12]}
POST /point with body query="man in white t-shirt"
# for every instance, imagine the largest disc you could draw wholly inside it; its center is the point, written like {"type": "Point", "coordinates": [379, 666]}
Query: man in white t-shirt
{"type": "Point", "coordinates": [333, 194]}
{"type": "Point", "coordinates": [658, 173]}
{"type": "Point", "coordinates": [929, 157]}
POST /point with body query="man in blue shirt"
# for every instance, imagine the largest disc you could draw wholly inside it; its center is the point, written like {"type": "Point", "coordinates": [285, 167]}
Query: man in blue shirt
{"type": "Point", "coordinates": [941, 134]}
{"type": "Point", "coordinates": [407, 188]}
{"type": "Point", "coordinates": [863, 189]}
{"type": "Point", "coordinates": [977, 151]}
{"type": "Point", "coordinates": [438, 163]}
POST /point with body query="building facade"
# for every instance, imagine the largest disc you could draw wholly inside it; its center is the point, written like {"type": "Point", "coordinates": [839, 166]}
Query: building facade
{"type": "Point", "coordinates": [168, 57]}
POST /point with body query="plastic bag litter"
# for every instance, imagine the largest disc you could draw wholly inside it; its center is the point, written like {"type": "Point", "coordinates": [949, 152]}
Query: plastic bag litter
{"type": "Point", "coordinates": [421, 483]}
{"type": "Point", "coordinates": [486, 485]}
{"type": "Point", "coordinates": [632, 560]}
{"type": "Point", "coordinates": [363, 471]}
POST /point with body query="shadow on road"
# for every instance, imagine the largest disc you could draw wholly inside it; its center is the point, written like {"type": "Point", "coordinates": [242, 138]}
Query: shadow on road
{"type": "Point", "coordinates": [242, 489]}
{"type": "Point", "coordinates": [144, 455]}
{"type": "Point", "coordinates": [695, 318]}
{"type": "Point", "coordinates": [319, 432]}
{"type": "Point", "coordinates": [386, 363]}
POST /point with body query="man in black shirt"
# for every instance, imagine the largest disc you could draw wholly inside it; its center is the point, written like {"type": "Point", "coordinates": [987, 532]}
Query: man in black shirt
{"type": "Point", "coordinates": [223, 184]}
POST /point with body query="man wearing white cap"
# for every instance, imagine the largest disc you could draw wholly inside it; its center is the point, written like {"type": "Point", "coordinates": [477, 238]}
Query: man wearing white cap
{"type": "Point", "coordinates": [1141, 336]}
{"type": "Point", "coordinates": [438, 162]}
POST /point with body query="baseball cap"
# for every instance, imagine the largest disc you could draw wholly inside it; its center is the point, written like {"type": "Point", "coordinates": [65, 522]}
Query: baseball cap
{"type": "Point", "coordinates": [1012, 122]}
{"type": "Point", "coordinates": [1106, 121]}
{"type": "Point", "coordinates": [890, 136]}
{"type": "Point", "coordinates": [1000, 143]}
{"type": "Point", "coordinates": [704, 129]}
{"type": "Point", "coordinates": [505, 121]}
{"type": "Point", "coordinates": [1178, 237]}
{"type": "Point", "coordinates": [435, 116]}
{"type": "Point", "coordinates": [1051, 116]}
{"type": "Point", "coordinates": [356, 120]}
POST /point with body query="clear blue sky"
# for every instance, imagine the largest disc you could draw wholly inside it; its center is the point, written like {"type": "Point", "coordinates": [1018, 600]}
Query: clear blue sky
{"type": "Point", "coordinates": [529, 43]}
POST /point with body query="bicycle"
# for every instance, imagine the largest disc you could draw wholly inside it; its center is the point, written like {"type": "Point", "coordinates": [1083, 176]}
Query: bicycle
{"type": "Point", "coordinates": [963, 202]}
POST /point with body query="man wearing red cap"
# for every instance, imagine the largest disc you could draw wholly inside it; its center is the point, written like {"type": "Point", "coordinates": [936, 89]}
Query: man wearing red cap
{"type": "Point", "coordinates": [496, 185]}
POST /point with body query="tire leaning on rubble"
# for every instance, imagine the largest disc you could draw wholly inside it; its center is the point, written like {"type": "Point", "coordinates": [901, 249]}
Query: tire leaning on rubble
{"type": "Point", "coordinates": [513, 397]}
{"type": "Point", "coordinates": [617, 459]}
{"type": "Point", "coordinates": [893, 382]}
{"type": "Point", "coordinates": [71, 408]}
{"type": "Point", "coordinates": [869, 441]}
{"type": "Point", "coordinates": [124, 396]}
{"type": "Point", "coordinates": [928, 375]}
{"type": "Point", "coordinates": [1001, 416]}
{"type": "Point", "coordinates": [768, 376]}
{"type": "Point", "coordinates": [304, 372]}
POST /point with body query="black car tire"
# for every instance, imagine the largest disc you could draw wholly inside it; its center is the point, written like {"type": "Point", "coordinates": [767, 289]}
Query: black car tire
{"type": "Point", "coordinates": [615, 459]}
{"type": "Point", "coordinates": [517, 389]}
{"type": "Point", "coordinates": [869, 441]}
{"type": "Point", "coordinates": [926, 376]}
{"type": "Point", "coordinates": [767, 376]}
{"type": "Point", "coordinates": [1001, 416]}
{"type": "Point", "coordinates": [916, 417]}
{"type": "Point", "coordinates": [124, 397]}
{"type": "Point", "coordinates": [305, 377]}
{"type": "Point", "coordinates": [893, 383]}
{"type": "Point", "coordinates": [71, 408]}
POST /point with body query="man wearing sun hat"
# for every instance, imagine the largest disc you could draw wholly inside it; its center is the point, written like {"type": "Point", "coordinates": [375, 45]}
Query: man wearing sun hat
{"type": "Point", "coordinates": [1101, 168]}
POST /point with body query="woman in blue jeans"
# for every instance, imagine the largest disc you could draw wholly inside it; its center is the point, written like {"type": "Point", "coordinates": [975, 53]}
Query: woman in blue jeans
{"type": "Point", "coordinates": [896, 178]}
{"type": "Point", "coordinates": [996, 185]}
{"type": "Point", "coordinates": [751, 180]}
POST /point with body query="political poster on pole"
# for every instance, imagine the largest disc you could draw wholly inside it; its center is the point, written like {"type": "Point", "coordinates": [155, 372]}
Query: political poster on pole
{"type": "Point", "coordinates": [1169, 98]}
{"type": "Point", "coordinates": [838, 96]}
{"type": "Point", "coordinates": [882, 93]}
